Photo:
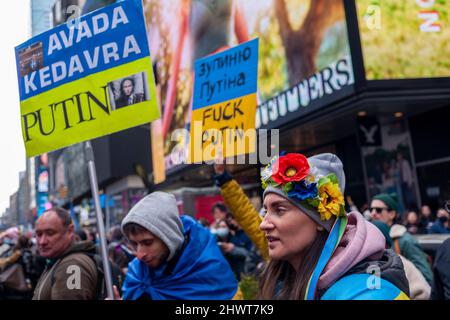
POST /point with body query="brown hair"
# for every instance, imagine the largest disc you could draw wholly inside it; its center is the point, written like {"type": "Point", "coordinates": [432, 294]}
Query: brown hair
{"type": "Point", "coordinates": [134, 229]}
{"type": "Point", "coordinates": [22, 243]}
{"type": "Point", "coordinates": [220, 206]}
{"type": "Point", "coordinates": [280, 280]}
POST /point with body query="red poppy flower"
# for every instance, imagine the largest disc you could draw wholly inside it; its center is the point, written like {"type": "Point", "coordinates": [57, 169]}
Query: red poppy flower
{"type": "Point", "coordinates": [291, 167]}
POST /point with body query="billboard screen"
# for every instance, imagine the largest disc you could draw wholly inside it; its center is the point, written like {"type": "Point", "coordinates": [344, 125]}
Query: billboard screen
{"type": "Point", "coordinates": [304, 54]}
{"type": "Point", "coordinates": [405, 39]}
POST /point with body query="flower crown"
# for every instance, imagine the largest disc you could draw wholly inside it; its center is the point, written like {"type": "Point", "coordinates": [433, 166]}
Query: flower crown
{"type": "Point", "coordinates": [292, 173]}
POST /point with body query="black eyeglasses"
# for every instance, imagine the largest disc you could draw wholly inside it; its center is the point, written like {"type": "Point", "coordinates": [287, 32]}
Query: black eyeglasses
{"type": "Point", "coordinates": [377, 209]}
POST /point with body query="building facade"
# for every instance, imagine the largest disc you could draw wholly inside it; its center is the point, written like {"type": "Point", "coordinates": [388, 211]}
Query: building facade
{"type": "Point", "coordinates": [374, 89]}
{"type": "Point", "coordinates": [41, 16]}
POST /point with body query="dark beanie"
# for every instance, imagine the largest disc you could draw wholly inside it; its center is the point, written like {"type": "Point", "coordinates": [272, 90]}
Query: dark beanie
{"type": "Point", "coordinates": [389, 199]}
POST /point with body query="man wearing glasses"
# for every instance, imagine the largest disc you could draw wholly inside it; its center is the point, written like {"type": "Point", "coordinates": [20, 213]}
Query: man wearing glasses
{"type": "Point", "coordinates": [384, 208]}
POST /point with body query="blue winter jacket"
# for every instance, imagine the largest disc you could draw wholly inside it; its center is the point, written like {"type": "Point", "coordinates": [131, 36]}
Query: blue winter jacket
{"type": "Point", "coordinates": [198, 272]}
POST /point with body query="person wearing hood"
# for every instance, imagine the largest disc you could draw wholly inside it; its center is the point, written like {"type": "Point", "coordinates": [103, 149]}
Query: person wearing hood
{"type": "Point", "coordinates": [176, 257]}
{"type": "Point", "coordinates": [418, 287]}
{"type": "Point", "coordinates": [315, 249]}
{"type": "Point", "coordinates": [70, 272]}
{"type": "Point", "coordinates": [384, 208]}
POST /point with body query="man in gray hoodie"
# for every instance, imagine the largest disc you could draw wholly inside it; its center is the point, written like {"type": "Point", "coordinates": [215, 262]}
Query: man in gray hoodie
{"type": "Point", "coordinates": [176, 257]}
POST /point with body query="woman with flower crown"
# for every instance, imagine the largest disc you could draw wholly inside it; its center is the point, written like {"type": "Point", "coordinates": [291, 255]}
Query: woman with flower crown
{"type": "Point", "coordinates": [315, 250]}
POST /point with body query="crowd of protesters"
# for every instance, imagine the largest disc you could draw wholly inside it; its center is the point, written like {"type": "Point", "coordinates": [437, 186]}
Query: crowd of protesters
{"type": "Point", "coordinates": [417, 222]}
{"type": "Point", "coordinates": [305, 243]}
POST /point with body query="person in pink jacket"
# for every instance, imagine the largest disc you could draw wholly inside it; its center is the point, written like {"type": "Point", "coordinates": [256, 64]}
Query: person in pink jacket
{"type": "Point", "coordinates": [315, 249]}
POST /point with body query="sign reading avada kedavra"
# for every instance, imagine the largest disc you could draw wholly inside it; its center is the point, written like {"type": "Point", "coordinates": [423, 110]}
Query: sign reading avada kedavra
{"type": "Point", "coordinates": [87, 78]}
{"type": "Point", "coordinates": [224, 104]}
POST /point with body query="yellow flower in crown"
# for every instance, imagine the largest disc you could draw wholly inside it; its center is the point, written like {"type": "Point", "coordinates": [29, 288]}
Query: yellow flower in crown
{"type": "Point", "coordinates": [331, 199]}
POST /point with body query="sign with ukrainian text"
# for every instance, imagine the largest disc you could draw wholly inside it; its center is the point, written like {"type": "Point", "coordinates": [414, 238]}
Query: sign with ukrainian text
{"type": "Point", "coordinates": [87, 78]}
{"type": "Point", "coordinates": [224, 104]}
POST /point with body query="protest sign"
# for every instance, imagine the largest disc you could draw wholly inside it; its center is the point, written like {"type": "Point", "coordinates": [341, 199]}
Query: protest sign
{"type": "Point", "coordinates": [87, 78]}
{"type": "Point", "coordinates": [224, 104]}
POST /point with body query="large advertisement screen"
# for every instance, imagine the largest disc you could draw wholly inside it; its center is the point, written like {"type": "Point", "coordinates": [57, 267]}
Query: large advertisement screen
{"type": "Point", "coordinates": [304, 54]}
{"type": "Point", "coordinates": [405, 39]}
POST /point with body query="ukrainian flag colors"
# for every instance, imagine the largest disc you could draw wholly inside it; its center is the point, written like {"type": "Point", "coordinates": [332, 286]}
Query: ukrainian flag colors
{"type": "Point", "coordinates": [224, 104]}
{"type": "Point", "coordinates": [87, 78]}
{"type": "Point", "coordinates": [364, 287]}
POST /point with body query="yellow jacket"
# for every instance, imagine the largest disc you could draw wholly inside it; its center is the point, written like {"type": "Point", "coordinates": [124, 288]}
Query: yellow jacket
{"type": "Point", "coordinates": [245, 214]}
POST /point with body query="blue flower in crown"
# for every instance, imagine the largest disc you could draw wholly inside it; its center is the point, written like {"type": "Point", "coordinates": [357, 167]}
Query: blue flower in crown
{"type": "Point", "coordinates": [293, 175]}
{"type": "Point", "coordinates": [303, 191]}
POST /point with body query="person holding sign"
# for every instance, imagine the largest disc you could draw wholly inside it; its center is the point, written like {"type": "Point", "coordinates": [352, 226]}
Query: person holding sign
{"type": "Point", "coordinates": [176, 257]}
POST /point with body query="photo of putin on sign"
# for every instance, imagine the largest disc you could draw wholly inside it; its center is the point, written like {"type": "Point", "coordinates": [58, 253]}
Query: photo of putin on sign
{"type": "Point", "coordinates": [128, 91]}
{"type": "Point", "coordinates": [127, 94]}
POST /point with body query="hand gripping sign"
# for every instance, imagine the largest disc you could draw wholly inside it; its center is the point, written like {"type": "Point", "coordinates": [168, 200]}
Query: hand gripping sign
{"type": "Point", "coordinates": [224, 104]}
{"type": "Point", "coordinates": [85, 80]}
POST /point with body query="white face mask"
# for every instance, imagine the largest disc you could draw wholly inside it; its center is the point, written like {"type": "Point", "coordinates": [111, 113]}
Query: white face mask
{"type": "Point", "coordinates": [222, 232]}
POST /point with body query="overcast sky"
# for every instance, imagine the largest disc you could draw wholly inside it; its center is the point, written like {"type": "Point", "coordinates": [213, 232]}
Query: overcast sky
{"type": "Point", "coordinates": [15, 29]}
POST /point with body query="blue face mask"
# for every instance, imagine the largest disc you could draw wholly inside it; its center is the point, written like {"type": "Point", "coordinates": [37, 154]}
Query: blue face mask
{"type": "Point", "coordinates": [222, 232]}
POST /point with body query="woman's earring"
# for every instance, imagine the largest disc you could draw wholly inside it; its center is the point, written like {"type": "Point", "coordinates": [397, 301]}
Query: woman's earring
{"type": "Point", "coordinates": [320, 228]}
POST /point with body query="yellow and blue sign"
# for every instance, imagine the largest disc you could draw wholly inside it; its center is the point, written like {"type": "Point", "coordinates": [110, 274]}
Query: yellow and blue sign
{"type": "Point", "coordinates": [224, 104]}
{"type": "Point", "coordinates": [87, 78]}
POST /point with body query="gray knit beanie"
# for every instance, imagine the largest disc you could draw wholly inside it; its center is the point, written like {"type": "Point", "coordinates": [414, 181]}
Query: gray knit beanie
{"type": "Point", "coordinates": [323, 165]}
{"type": "Point", "coordinates": [158, 213]}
